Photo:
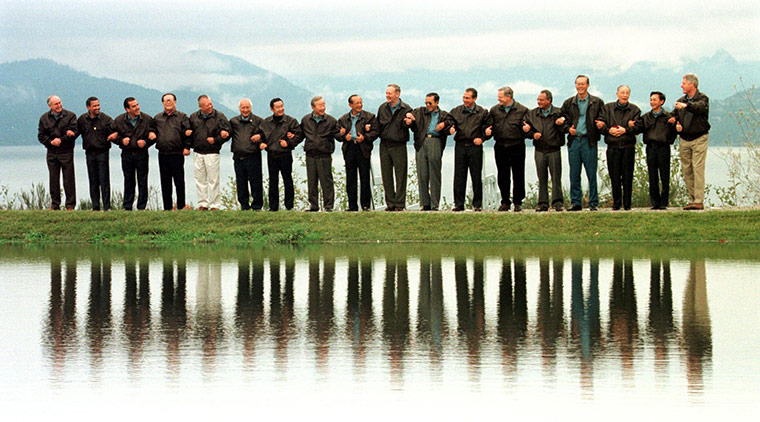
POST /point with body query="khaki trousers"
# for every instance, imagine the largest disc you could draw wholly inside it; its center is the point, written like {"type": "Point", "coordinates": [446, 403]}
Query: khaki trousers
{"type": "Point", "coordinates": [693, 155]}
{"type": "Point", "coordinates": [206, 171]}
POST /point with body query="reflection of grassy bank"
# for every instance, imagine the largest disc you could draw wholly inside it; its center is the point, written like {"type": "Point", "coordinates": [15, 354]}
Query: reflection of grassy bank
{"type": "Point", "coordinates": [257, 228]}
{"type": "Point", "coordinates": [480, 250]}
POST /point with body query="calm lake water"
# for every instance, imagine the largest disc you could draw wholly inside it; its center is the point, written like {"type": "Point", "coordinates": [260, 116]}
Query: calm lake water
{"type": "Point", "coordinates": [24, 165]}
{"type": "Point", "coordinates": [383, 331]}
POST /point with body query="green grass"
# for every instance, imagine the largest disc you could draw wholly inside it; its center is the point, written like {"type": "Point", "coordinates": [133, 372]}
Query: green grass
{"type": "Point", "coordinates": [261, 228]}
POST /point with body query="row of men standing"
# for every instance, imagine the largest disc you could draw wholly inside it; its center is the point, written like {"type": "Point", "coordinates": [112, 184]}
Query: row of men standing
{"type": "Point", "coordinates": [583, 118]}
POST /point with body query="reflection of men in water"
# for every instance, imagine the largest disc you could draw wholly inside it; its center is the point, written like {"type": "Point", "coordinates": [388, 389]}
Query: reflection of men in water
{"type": "Point", "coordinates": [209, 316]}
{"type": "Point", "coordinates": [584, 322]}
{"type": "Point", "coordinates": [61, 327]}
{"type": "Point", "coordinates": [281, 319]}
{"type": "Point", "coordinates": [359, 319]}
{"type": "Point", "coordinates": [396, 315]}
{"type": "Point", "coordinates": [321, 308]}
{"type": "Point", "coordinates": [136, 309]}
{"type": "Point", "coordinates": [697, 327]}
{"type": "Point", "coordinates": [173, 313]}
{"type": "Point", "coordinates": [471, 310]}
{"type": "Point", "coordinates": [249, 306]}
{"type": "Point", "coordinates": [660, 312]}
{"type": "Point", "coordinates": [624, 326]}
{"type": "Point", "coordinates": [431, 320]}
{"type": "Point", "coordinates": [550, 315]}
{"type": "Point", "coordinates": [99, 310]}
{"type": "Point", "coordinates": [513, 312]}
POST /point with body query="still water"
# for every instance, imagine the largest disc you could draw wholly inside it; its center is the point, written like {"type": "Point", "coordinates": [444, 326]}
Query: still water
{"type": "Point", "coordinates": [377, 332]}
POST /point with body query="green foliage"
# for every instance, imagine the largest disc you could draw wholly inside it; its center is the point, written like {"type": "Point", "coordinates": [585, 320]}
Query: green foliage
{"type": "Point", "coordinates": [744, 166]}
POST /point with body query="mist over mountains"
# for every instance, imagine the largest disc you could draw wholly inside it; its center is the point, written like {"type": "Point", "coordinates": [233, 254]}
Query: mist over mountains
{"type": "Point", "coordinates": [24, 86]}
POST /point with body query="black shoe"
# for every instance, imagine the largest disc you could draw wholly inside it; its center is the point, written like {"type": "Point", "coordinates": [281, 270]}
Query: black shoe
{"type": "Point", "coordinates": [426, 208]}
{"type": "Point", "coordinates": [559, 208]}
{"type": "Point", "coordinates": [352, 210]}
{"type": "Point", "coordinates": [542, 209]}
{"type": "Point", "coordinates": [398, 209]}
{"type": "Point", "coordinates": [365, 209]}
{"type": "Point", "coordinates": [505, 207]}
{"type": "Point", "coordinates": [627, 208]}
{"type": "Point", "coordinates": [662, 207]}
{"type": "Point", "coordinates": [477, 209]}
{"type": "Point", "coordinates": [390, 209]}
{"type": "Point", "coordinates": [313, 209]}
{"type": "Point", "coordinates": [593, 208]}
{"type": "Point", "coordinates": [615, 208]}
{"type": "Point", "coordinates": [518, 208]}
{"type": "Point", "coordinates": [457, 209]}
{"type": "Point", "coordinates": [575, 208]}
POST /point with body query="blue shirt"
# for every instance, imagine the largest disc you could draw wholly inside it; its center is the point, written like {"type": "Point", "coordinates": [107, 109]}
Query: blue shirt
{"type": "Point", "coordinates": [507, 108]}
{"type": "Point", "coordinates": [317, 118]}
{"type": "Point", "coordinates": [396, 107]}
{"type": "Point", "coordinates": [581, 129]}
{"type": "Point", "coordinates": [353, 119]}
{"type": "Point", "coordinates": [546, 112]}
{"type": "Point", "coordinates": [132, 121]}
{"type": "Point", "coordinates": [433, 123]}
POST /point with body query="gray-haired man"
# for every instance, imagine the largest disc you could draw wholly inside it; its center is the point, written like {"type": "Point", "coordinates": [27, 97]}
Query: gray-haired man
{"type": "Point", "coordinates": [319, 131]}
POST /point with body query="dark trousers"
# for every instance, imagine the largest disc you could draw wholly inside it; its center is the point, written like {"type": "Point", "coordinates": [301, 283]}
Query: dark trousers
{"type": "Point", "coordinates": [549, 163]}
{"type": "Point", "coordinates": [511, 161]}
{"type": "Point", "coordinates": [319, 173]}
{"type": "Point", "coordinates": [393, 166]}
{"type": "Point", "coordinates": [134, 165]}
{"type": "Point", "coordinates": [99, 175]}
{"type": "Point", "coordinates": [468, 157]}
{"type": "Point", "coordinates": [620, 163]}
{"type": "Point", "coordinates": [356, 162]}
{"type": "Point", "coordinates": [280, 164]}
{"type": "Point", "coordinates": [658, 167]}
{"type": "Point", "coordinates": [248, 173]}
{"type": "Point", "coordinates": [62, 164]}
{"type": "Point", "coordinates": [172, 169]}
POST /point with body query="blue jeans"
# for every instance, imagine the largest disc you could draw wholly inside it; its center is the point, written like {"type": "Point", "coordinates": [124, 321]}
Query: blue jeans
{"type": "Point", "coordinates": [581, 154]}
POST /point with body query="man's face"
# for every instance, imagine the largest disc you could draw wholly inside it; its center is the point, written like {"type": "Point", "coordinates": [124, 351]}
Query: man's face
{"type": "Point", "coordinates": [94, 108]}
{"type": "Point", "coordinates": [356, 105]}
{"type": "Point", "coordinates": [278, 108]}
{"type": "Point", "coordinates": [170, 104]}
{"type": "Point", "coordinates": [319, 108]}
{"type": "Point", "coordinates": [133, 108]}
{"type": "Point", "coordinates": [622, 94]}
{"type": "Point", "coordinates": [468, 100]}
{"type": "Point", "coordinates": [543, 101]}
{"type": "Point", "coordinates": [656, 102]}
{"type": "Point", "coordinates": [245, 108]}
{"type": "Point", "coordinates": [431, 103]}
{"type": "Point", "coordinates": [391, 96]}
{"type": "Point", "coordinates": [581, 86]}
{"type": "Point", "coordinates": [55, 105]}
{"type": "Point", "coordinates": [687, 86]}
{"type": "Point", "coordinates": [503, 99]}
{"type": "Point", "coordinates": [205, 105]}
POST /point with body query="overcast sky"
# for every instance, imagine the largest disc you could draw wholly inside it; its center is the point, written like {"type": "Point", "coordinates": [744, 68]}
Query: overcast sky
{"type": "Point", "coordinates": [125, 39]}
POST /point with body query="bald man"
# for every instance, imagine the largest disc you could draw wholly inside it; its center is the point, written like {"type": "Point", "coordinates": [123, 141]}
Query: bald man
{"type": "Point", "coordinates": [246, 155]}
{"type": "Point", "coordinates": [57, 131]}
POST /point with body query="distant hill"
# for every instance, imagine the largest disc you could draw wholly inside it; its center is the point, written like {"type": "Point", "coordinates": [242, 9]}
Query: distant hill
{"type": "Point", "coordinates": [24, 86]}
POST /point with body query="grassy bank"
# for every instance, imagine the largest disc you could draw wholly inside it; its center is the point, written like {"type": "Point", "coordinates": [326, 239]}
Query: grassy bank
{"type": "Point", "coordinates": [235, 227]}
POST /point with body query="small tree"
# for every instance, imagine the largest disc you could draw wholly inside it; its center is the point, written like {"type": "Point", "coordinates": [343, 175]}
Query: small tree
{"type": "Point", "coordinates": [744, 166]}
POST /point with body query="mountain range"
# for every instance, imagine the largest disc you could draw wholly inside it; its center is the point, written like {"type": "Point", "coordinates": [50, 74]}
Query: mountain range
{"type": "Point", "coordinates": [24, 86]}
